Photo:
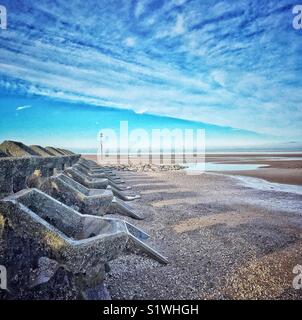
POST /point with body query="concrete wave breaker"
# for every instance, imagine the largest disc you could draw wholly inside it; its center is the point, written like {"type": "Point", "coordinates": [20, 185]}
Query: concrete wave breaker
{"type": "Point", "coordinates": [100, 172]}
{"type": "Point", "coordinates": [123, 196]}
{"type": "Point", "coordinates": [120, 207]}
{"type": "Point", "coordinates": [87, 172]}
{"type": "Point", "coordinates": [94, 183]}
{"type": "Point", "coordinates": [95, 167]}
{"type": "Point", "coordinates": [81, 243]}
{"type": "Point", "coordinates": [86, 181]}
{"type": "Point", "coordinates": [87, 201]}
{"type": "Point", "coordinates": [115, 183]}
{"type": "Point", "coordinates": [89, 163]}
{"type": "Point", "coordinates": [95, 178]}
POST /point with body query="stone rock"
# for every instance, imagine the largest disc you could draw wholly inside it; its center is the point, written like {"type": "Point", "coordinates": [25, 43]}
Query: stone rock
{"type": "Point", "coordinates": [147, 167]}
{"type": "Point", "coordinates": [45, 271]}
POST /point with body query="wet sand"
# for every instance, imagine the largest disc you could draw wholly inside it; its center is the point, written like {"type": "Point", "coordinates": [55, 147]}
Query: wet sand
{"type": "Point", "coordinates": [283, 168]}
{"type": "Point", "coordinates": [285, 176]}
{"type": "Point", "coordinates": [223, 240]}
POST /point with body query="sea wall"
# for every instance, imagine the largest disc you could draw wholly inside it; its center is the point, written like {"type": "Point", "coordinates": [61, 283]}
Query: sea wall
{"type": "Point", "coordinates": [15, 171]}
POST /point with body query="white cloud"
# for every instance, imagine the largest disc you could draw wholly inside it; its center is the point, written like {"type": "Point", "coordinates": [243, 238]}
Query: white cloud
{"type": "Point", "coordinates": [139, 9]}
{"type": "Point", "coordinates": [219, 77]}
{"type": "Point", "coordinates": [130, 42]}
{"type": "Point", "coordinates": [23, 107]}
{"type": "Point", "coordinates": [179, 27]}
{"type": "Point", "coordinates": [179, 2]}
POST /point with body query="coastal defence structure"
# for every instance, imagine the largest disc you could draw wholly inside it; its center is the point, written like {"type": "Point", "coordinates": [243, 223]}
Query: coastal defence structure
{"type": "Point", "coordinates": [55, 238]}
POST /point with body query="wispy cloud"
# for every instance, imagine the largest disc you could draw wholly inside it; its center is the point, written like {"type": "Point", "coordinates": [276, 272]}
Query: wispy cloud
{"type": "Point", "coordinates": [23, 107]}
{"type": "Point", "coordinates": [179, 27]}
{"type": "Point", "coordinates": [235, 64]}
{"type": "Point", "coordinates": [130, 42]}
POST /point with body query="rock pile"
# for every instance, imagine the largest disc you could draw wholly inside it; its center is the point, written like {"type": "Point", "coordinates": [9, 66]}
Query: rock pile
{"type": "Point", "coordinates": [147, 167]}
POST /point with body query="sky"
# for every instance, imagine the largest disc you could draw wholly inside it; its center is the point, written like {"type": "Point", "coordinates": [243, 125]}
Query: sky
{"type": "Point", "coordinates": [231, 67]}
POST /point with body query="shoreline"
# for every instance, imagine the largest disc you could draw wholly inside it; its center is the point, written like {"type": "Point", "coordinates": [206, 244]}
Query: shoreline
{"type": "Point", "coordinates": [280, 168]}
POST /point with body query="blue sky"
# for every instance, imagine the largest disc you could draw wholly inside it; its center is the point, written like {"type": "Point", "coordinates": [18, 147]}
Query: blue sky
{"type": "Point", "coordinates": [232, 64]}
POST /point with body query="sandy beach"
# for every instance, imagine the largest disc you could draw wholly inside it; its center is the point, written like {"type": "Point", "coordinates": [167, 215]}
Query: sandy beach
{"type": "Point", "coordinates": [224, 239]}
